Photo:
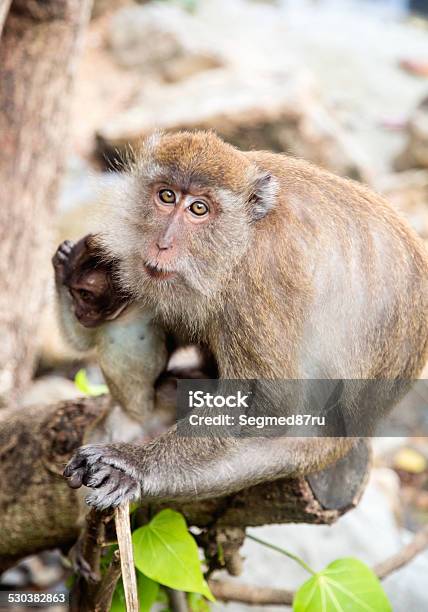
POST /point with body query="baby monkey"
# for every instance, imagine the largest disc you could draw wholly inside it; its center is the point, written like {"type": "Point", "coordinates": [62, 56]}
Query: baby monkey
{"type": "Point", "coordinates": [95, 314]}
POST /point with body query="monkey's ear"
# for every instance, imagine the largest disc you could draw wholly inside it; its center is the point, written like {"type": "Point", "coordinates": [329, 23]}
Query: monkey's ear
{"type": "Point", "coordinates": [263, 195]}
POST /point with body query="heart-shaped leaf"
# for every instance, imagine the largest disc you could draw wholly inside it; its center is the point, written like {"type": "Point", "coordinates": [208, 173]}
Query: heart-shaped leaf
{"type": "Point", "coordinates": [165, 551]}
{"type": "Point", "coordinates": [344, 585]}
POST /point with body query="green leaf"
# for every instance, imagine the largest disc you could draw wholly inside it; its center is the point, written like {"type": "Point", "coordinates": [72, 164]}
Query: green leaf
{"type": "Point", "coordinates": [107, 556]}
{"type": "Point", "coordinates": [165, 551]}
{"type": "Point", "coordinates": [197, 602]}
{"type": "Point", "coordinates": [148, 591]}
{"type": "Point", "coordinates": [346, 584]}
{"type": "Point", "coordinates": [147, 594]}
{"type": "Point", "coordinates": [162, 597]}
{"type": "Point", "coordinates": [82, 383]}
{"type": "Point", "coordinates": [118, 603]}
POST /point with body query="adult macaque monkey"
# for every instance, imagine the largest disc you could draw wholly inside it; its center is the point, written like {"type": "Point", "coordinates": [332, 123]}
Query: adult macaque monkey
{"type": "Point", "coordinates": [95, 314]}
{"type": "Point", "coordinates": [283, 271]}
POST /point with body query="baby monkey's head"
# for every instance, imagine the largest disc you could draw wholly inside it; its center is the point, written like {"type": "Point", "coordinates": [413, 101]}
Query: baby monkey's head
{"type": "Point", "coordinates": [91, 283]}
{"type": "Point", "coordinates": [186, 216]}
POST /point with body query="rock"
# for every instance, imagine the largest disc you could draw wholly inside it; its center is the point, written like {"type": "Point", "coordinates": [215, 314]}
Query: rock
{"type": "Point", "coordinates": [408, 193]}
{"type": "Point", "coordinates": [100, 7]}
{"type": "Point", "coordinates": [48, 390]}
{"type": "Point", "coordinates": [415, 154]}
{"type": "Point", "coordinates": [369, 533]}
{"type": "Point", "coordinates": [162, 39]}
{"type": "Point", "coordinates": [277, 110]}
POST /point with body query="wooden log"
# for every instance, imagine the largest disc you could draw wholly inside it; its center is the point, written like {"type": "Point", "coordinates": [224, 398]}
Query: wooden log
{"type": "Point", "coordinates": [39, 511]}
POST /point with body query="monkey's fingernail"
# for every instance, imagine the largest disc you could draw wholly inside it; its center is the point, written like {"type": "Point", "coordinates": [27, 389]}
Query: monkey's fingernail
{"type": "Point", "coordinates": [75, 480]}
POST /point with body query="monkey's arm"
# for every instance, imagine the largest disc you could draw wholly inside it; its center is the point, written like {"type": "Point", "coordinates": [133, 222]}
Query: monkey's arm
{"type": "Point", "coordinates": [79, 337]}
{"type": "Point", "coordinates": [174, 467]}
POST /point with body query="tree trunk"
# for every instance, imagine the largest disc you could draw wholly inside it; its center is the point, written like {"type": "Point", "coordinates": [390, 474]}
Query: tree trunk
{"type": "Point", "coordinates": [38, 50]}
{"type": "Point", "coordinates": [39, 511]}
{"type": "Point", "coordinates": [4, 9]}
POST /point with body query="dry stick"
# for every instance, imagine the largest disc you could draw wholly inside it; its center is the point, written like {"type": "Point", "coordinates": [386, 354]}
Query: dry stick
{"type": "Point", "coordinates": [406, 554]}
{"type": "Point", "coordinates": [177, 600]}
{"type": "Point", "coordinates": [123, 532]}
{"type": "Point", "coordinates": [226, 590]}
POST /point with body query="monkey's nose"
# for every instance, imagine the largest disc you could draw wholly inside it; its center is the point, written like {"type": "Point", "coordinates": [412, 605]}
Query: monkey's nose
{"type": "Point", "coordinates": [164, 243]}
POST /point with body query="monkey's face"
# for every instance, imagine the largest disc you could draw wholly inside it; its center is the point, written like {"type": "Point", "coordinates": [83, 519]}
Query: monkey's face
{"type": "Point", "coordinates": [186, 220]}
{"type": "Point", "coordinates": [183, 241]}
{"type": "Point", "coordinates": [191, 235]}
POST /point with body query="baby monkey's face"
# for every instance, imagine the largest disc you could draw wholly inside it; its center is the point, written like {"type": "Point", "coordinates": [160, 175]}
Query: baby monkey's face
{"type": "Point", "coordinates": [94, 300]}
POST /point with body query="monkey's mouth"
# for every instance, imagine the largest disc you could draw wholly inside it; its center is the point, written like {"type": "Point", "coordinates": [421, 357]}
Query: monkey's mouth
{"type": "Point", "coordinates": [156, 272]}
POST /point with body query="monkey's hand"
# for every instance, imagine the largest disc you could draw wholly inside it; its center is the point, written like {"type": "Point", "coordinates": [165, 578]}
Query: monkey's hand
{"type": "Point", "coordinates": [62, 261]}
{"type": "Point", "coordinates": [104, 468]}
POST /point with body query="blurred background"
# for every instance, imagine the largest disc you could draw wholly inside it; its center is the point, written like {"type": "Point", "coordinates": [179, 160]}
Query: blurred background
{"type": "Point", "coordinates": [341, 83]}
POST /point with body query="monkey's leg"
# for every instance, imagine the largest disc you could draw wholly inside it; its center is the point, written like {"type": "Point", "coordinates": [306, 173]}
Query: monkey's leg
{"type": "Point", "coordinates": [176, 467]}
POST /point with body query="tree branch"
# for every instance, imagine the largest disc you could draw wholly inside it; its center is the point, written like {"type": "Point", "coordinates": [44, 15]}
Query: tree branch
{"type": "Point", "coordinates": [39, 511]}
{"type": "Point", "coordinates": [4, 9]}
{"type": "Point", "coordinates": [123, 531]}
{"type": "Point", "coordinates": [108, 584]}
{"type": "Point", "coordinates": [226, 590]}
{"type": "Point", "coordinates": [406, 554]}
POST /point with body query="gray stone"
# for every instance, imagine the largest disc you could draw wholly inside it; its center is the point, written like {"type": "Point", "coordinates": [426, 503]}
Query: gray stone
{"type": "Point", "coordinates": [164, 39]}
{"type": "Point", "coordinates": [277, 110]}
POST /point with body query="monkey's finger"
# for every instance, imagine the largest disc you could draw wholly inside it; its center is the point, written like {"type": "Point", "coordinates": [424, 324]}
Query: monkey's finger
{"type": "Point", "coordinates": [60, 257]}
{"type": "Point", "coordinates": [85, 456]}
{"type": "Point", "coordinates": [76, 462]}
{"type": "Point", "coordinates": [102, 500]}
{"type": "Point", "coordinates": [72, 466]}
{"type": "Point", "coordinates": [106, 496]}
{"type": "Point", "coordinates": [85, 464]}
{"type": "Point", "coordinates": [67, 246]}
{"type": "Point", "coordinates": [64, 250]}
{"type": "Point", "coordinates": [96, 478]}
{"type": "Point", "coordinates": [127, 490]}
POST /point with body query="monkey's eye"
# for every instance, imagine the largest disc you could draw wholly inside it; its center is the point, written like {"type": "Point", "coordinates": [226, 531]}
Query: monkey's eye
{"type": "Point", "coordinates": [167, 196]}
{"type": "Point", "coordinates": [85, 295]}
{"type": "Point", "coordinates": [198, 208]}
